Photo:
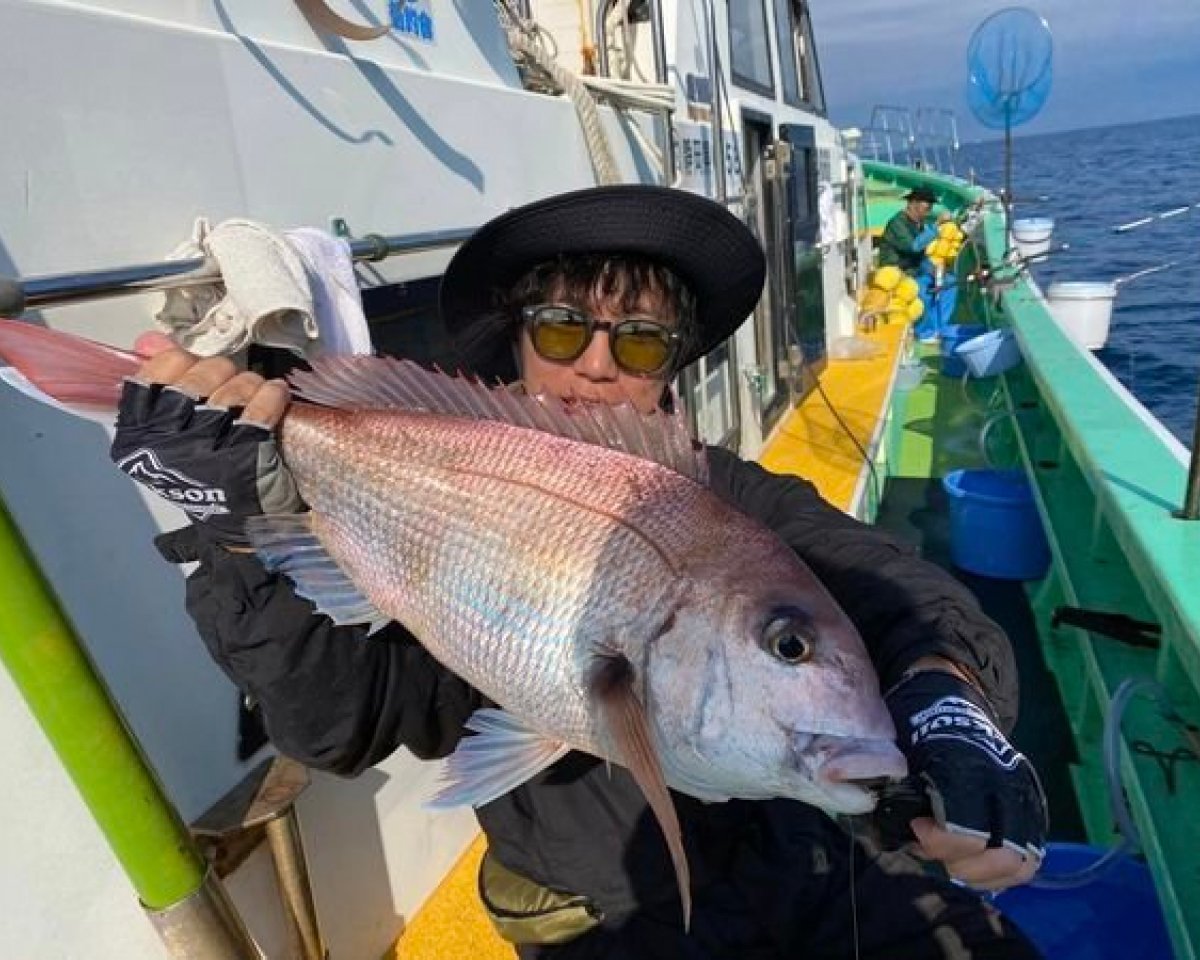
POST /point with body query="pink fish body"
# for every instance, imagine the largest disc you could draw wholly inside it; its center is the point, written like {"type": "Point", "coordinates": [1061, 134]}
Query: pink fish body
{"type": "Point", "coordinates": [523, 559]}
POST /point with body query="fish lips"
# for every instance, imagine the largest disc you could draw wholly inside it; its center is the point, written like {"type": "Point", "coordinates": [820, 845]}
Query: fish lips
{"type": "Point", "coordinates": [847, 770]}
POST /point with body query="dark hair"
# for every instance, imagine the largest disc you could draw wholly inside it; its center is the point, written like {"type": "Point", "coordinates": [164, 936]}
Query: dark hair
{"type": "Point", "coordinates": [619, 281]}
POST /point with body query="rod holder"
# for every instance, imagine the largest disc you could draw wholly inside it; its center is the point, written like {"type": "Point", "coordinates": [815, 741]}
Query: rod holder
{"type": "Point", "coordinates": [263, 805]}
{"type": "Point", "coordinates": [204, 926]}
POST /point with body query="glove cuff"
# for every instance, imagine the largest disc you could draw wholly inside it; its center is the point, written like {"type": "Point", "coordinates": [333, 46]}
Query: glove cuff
{"type": "Point", "coordinates": [936, 682]}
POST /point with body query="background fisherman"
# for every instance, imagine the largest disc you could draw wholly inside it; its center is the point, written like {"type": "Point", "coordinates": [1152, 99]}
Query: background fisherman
{"type": "Point", "coordinates": [903, 244]}
{"type": "Point", "coordinates": [602, 296]}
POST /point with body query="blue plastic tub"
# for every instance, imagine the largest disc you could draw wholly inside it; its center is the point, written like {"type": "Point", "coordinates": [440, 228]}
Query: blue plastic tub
{"type": "Point", "coordinates": [990, 354]}
{"type": "Point", "coordinates": [1113, 917]}
{"type": "Point", "coordinates": [995, 529]}
{"type": "Point", "coordinates": [952, 337]}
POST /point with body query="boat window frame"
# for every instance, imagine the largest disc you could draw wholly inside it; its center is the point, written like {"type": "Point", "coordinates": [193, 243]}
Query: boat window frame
{"type": "Point", "coordinates": [804, 60]}
{"type": "Point", "coordinates": [816, 85]}
{"type": "Point", "coordinates": [785, 42]}
{"type": "Point", "coordinates": [741, 80]}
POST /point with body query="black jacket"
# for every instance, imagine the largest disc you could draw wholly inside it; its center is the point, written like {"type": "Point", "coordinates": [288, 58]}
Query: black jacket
{"type": "Point", "coordinates": [340, 704]}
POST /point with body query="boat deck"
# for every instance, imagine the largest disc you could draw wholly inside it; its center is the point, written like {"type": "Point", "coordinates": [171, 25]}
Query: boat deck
{"type": "Point", "coordinates": [452, 922]}
{"type": "Point", "coordinates": [813, 441]}
{"type": "Point", "coordinates": [938, 431]}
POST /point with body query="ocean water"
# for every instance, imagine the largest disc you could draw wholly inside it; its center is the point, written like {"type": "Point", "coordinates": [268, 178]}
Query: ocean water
{"type": "Point", "coordinates": [1095, 180]}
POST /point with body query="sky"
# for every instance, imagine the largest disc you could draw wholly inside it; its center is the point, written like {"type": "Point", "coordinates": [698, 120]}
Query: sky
{"type": "Point", "coordinates": [1115, 61]}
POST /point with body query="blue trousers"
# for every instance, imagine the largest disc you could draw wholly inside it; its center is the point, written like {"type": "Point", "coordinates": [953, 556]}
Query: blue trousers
{"type": "Point", "coordinates": [940, 303]}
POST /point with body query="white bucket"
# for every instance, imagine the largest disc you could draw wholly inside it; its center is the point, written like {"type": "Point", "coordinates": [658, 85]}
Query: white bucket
{"type": "Point", "coordinates": [1032, 236]}
{"type": "Point", "coordinates": [1083, 310]}
{"type": "Point", "coordinates": [990, 354]}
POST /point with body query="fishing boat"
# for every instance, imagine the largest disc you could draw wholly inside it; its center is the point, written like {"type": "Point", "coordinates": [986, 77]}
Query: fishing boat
{"type": "Point", "coordinates": [144, 816]}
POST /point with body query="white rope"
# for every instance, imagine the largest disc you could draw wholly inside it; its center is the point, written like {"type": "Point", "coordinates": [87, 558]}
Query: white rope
{"type": "Point", "coordinates": [535, 46]}
{"type": "Point", "coordinates": [603, 162]}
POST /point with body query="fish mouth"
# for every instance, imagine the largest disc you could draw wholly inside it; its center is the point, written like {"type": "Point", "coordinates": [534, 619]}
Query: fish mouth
{"type": "Point", "coordinates": [850, 771]}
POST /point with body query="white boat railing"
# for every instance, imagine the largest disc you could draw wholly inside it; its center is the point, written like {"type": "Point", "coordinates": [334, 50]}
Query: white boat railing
{"type": "Point", "coordinates": [928, 140]}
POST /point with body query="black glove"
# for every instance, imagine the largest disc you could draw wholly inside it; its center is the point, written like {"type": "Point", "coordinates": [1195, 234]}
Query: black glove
{"type": "Point", "coordinates": [218, 470]}
{"type": "Point", "coordinates": [978, 784]}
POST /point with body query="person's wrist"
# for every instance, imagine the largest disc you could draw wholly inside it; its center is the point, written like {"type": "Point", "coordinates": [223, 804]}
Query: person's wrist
{"type": "Point", "coordinates": [936, 663]}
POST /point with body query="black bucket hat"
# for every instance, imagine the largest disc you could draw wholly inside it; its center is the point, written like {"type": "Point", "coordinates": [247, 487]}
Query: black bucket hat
{"type": "Point", "coordinates": [705, 245]}
{"type": "Point", "coordinates": [921, 193]}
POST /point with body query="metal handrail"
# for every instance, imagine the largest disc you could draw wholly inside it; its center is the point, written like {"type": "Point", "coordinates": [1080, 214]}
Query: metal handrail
{"type": "Point", "coordinates": [659, 44]}
{"type": "Point", "coordinates": [51, 669]}
{"type": "Point", "coordinates": [716, 106]}
{"type": "Point", "coordinates": [56, 290]}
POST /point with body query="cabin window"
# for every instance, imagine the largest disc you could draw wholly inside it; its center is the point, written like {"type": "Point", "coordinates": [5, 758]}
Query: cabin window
{"type": "Point", "coordinates": [810, 66]}
{"type": "Point", "coordinates": [798, 66]}
{"type": "Point", "coordinates": [785, 36]}
{"type": "Point", "coordinates": [749, 43]}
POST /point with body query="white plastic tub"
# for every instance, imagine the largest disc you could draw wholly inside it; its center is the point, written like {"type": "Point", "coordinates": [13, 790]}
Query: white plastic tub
{"type": "Point", "coordinates": [990, 354]}
{"type": "Point", "coordinates": [1083, 310]}
{"type": "Point", "coordinates": [1032, 236]}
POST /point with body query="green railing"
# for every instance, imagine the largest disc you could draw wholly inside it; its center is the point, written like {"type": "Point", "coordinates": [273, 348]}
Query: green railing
{"type": "Point", "coordinates": [69, 701]}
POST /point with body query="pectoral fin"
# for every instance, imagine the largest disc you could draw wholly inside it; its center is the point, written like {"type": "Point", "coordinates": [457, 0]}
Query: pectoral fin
{"type": "Point", "coordinates": [503, 754]}
{"type": "Point", "coordinates": [287, 543]}
{"type": "Point", "coordinates": [612, 688]}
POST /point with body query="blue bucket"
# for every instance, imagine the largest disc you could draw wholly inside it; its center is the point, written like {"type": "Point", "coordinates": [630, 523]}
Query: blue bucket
{"type": "Point", "coordinates": [1113, 917]}
{"type": "Point", "coordinates": [995, 530]}
{"type": "Point", "coordinates": [952, 337]}
{"type": "Point", "coordinates": [990, 354]}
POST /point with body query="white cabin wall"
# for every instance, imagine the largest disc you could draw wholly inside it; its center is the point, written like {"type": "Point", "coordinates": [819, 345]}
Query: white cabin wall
{"type": "Point", "coordinates": [467, 43]}
{"type": "Point", "coordinates": [569, 23]}
{"type": "Point", "coordinates": [111, 152]}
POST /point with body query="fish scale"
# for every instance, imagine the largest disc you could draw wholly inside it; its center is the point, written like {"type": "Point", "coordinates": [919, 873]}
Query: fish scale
{"type": "Point", "coordinates": [518, 557]}
{"type": "Point", "coordinates": [519, 564]}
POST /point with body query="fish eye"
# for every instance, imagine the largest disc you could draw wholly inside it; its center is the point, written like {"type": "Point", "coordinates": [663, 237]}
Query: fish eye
{"type": "Point", "coordinates": [789, 637]}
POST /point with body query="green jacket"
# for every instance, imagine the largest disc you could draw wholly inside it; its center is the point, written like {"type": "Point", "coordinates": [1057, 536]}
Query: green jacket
{"type": "Point", "coordinates": [903, 243]}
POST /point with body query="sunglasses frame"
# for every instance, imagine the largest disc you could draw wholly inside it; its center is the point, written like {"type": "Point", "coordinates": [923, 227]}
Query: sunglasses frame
{"type": "Point", "coordinates": [529, 316]}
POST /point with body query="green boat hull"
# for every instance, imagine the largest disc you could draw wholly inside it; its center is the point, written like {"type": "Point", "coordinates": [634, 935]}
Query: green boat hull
{"type": "Point", "coordinates": [1108, 481]}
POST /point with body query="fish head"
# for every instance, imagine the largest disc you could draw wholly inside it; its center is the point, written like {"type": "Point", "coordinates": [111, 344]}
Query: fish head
{"type": "Point", "coordinates": [759, 686]}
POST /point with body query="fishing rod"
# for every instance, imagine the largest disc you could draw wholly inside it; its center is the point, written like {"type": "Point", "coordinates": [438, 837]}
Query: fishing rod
{"type": "Point", "coordinates": [1144, 273]}
{"type": "Point", "coordinates": [1155, 218]}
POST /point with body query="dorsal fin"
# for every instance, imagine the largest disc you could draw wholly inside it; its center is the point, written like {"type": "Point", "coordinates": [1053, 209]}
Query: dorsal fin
{"type": "Point", "coordinates": [382, 383]}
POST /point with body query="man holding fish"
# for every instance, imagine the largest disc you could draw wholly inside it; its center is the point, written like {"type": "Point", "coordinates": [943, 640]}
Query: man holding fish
{"type": "Point", "coordinates": [559, 571]}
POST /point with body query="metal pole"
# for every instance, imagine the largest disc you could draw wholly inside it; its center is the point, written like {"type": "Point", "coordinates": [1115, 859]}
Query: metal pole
{"type": "Point", "coordinates": [601, 31]}
{"type": "Point", "coordinates": [1191, 497]}
{"type": "Point", "coordinates": [717, 107]}
{"type": "Point", "coordinates": [16, 296]}
{"type": "Point", "coordinates": [658, 34]}
{"type": "Point", "coordinates": [291, 872]}
{"type": "Point", "coordinates": [1007, 183]}
{"type": "Point", "coordinates": [68, 699]}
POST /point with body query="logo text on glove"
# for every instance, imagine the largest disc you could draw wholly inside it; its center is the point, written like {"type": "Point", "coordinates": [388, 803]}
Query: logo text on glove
{"type": "Point", "coordinates": [952, 718]}
{"type": "Point", "coordinates": [200, 501]}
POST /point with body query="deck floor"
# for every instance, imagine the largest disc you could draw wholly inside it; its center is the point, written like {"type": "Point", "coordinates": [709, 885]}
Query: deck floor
{"type": "Point", "coordinates": [940, 430]}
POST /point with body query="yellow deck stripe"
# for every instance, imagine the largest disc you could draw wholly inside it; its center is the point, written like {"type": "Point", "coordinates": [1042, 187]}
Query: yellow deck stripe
{"type": "Point", "coordinates": [451, 924]}
{"type": "Point", "coordinates": [812, 444]}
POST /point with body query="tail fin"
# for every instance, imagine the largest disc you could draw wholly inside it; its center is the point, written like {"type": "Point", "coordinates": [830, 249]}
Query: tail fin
{"type": "Point", "coordinates": [78, 373]}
